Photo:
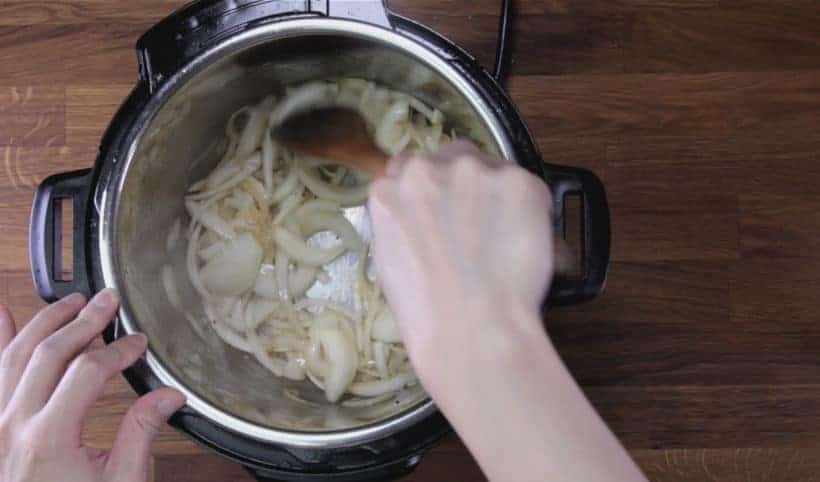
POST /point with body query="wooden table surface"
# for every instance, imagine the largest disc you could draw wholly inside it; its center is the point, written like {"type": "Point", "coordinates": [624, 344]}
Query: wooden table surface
{"type": "Point", "coordinates": [703, 119]}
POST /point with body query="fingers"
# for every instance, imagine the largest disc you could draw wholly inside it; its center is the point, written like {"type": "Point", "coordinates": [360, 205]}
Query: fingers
{"type": "Point", "coordinates": [18, 352]}
{"type": "Point", "coordinates": [443, 157]}
{"type": "Point", "coordinates": [396, 163]}
{"type": "Point", "coordinates": [85, 380]}
{"type": "Point", "coordinates": [50, 358]}
{"type": "Point", "coordinates": [382, 194]}
{"type": "Point", "coordinates": [381, 199]}
{"type": "Point", "coordinates": [7, 328]}
{"type": "Point", "coordinates": [129, 458]}
{"type": "Point", "coordinates": [457, 148]}
{"type": "Point", "coordinates": [460, 149]}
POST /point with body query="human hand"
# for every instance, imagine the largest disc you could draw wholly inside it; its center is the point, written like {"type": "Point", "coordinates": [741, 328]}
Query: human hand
{"type": "Point", "coordinates": [47, 388]}
{"type": "Point", "coordinates": [463, 249]}
{"type": "Point", "coordinates": [459, 235]}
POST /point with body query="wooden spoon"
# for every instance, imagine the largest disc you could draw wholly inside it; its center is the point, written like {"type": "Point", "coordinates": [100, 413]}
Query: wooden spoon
{"type": "Point", "coordinates": [341, 134]}
{"type": "Point", "coordinates": [333, 133]}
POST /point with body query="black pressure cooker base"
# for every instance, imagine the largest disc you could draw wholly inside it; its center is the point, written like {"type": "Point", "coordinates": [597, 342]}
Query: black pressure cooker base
{"type": "Point", "coordinates": [384, 459]}
{"type": "Point", "coordinates": [165, 50]}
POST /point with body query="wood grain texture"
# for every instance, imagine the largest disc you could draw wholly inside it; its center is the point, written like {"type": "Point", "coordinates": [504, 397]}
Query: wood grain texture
{"type": "Point", "coordinates": [701, 118]}
{"type": "Point", "coordinates": [746, 465]}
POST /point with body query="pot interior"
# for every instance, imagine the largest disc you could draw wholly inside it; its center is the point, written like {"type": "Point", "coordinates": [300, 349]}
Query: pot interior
{"type": "Point", "coordinates": [180, 144]}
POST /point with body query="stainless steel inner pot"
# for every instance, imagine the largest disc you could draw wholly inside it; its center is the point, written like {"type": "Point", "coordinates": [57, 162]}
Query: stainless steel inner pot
{"type": "Point", "coordinates": [180, 137]}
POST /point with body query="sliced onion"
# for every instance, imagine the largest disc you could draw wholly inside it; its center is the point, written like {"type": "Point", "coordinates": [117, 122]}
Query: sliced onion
{"type": "Point", "coordinates": [220, 176]}
{"type": "Point", "coordinates": [433, 141]}
{"type": "Point", "coordinates": [301, 279]}
{"type": "Point", "coordinates": [309, 207]}
{"type": "Point", "coordinates": [286, 188]}
{"type": "Point", "coordinates": [269, 152]}
{"type": "Point", "coordinates": [192, 265]}
{"type": "Point", "coordinates": [395, 362]}
{"type": "Point", "coordinates": [235, 269]}
{"type": "Point", "coordinates": [299, 251]}
{"type": "Point", "coordinates": [381, 387]}
{"type": "Point", "coordinates": [346, 196]}
{"type": "Point", "coordinates": [342, 360]}
{"type": "Point", "coordinates": [433, 115]}
{"type": "Point", "coordinates": [385, 328]}
{"type": "Point", "coordinates": [276, 365]}
{"type": "Point", "coordinates": [318, 221]}
{"type": "Point", "coordinates": [312, 376]}
{"type": "Point", "coordinates": [197, 186]}
{"type": "Point", "coordinates": [239, 200]}
{"type": "Point", "coordinates": [287, 341]}
{"type": "Point", "coordinates": [401, 144]}
{"type": "Point", "coordinates": [257, 191]}
{"type": "Point", "coordinates": [235, 318]}
{"type": "Point", "coordinates": [380, 357]}
{"type": "Point", "coordinates": [375, 102]}
{"type": "Point", "coordinates": [251, 165]}
{"type": "Point", "coordinates": [208, 253]}
{"type": "Point", "coordinates": [254, 129]}
{"type": "Point", "coordinates": [257, 311]}
{"type": "Point", "coordinates": [211, 220]}
{"type": "Point", "coordinates": [294, 370]}
{"type": "Point", "coordinates": [231, 129]}
{"type": "Point", "coordinates": [339, 175]}
{"type": "Point", "coordinates": [266, 285]}
{"type": "Point", "coordinates": [387, 131]}
{"type": "Point", "coordinates": [281, 270]}
{"type": "Point", "coordinates": [313, 359]}
{"type": "Point", "coordinates": [340, 308]}
{"type": "Point", "coordinates": [349, 94]}
{"type": "Point", "coordinates": [196, 209]}
{"type": "Point", "coordinates": [288, 206]}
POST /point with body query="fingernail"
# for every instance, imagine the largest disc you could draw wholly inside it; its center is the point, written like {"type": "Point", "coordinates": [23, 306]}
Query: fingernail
{"type": "Point", "coordinates": [74, 299]}
{"type": "Point", "coordinates": [105, 298]}
{"type": "Point", "coordinates": [167, 407]}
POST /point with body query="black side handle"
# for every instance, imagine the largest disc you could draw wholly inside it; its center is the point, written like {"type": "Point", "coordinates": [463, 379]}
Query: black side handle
{"type": "Point", "coordinates": [565, 180]}
{"type": "Point", "coordinates": [382, 473]}
{"type": "Point", "coordinates": [45, 234]}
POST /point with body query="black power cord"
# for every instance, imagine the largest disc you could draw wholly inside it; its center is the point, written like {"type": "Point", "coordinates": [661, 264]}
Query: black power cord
{"type": "Point", "coordinates": [503, 58]}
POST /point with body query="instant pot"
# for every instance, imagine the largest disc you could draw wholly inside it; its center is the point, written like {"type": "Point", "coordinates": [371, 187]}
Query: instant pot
{"type": "Point", "coordinates": [196, 67]}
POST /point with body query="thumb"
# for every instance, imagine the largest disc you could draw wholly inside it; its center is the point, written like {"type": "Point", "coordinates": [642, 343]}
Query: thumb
{"type": "Point", "coordinates": [129, 458]}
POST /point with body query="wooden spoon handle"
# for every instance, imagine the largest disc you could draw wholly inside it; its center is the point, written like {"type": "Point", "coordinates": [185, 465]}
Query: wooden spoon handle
{"type": "Point", "coordinates": [374, 166]}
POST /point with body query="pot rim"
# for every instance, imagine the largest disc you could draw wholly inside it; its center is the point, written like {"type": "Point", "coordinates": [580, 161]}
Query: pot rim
{"type": "Point", "coordinates": [113, 175]}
